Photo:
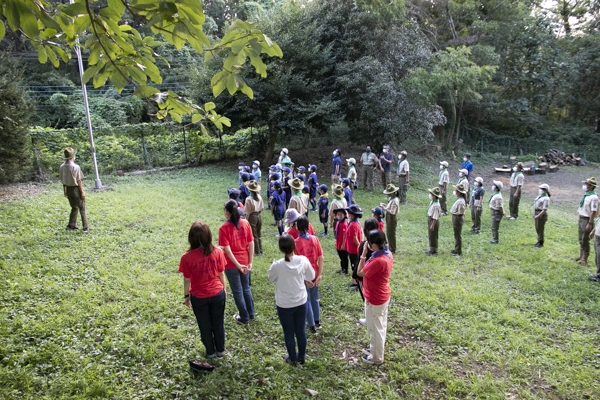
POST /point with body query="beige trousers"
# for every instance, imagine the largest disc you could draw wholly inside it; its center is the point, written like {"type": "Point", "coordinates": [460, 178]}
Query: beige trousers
{"type": "Point", "coordinates": [377, 327]}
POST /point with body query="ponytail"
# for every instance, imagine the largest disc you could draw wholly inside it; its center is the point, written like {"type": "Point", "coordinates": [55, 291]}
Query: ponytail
{"type": "Point", "coordinates": [232, 208]}
{"type": "Point", "coordinates": [255, 195]}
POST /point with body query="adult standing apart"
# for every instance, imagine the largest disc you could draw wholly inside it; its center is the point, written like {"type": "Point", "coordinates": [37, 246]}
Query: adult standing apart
{"type": "Point", "coordinates": [308, 245]}
{"type": "Point", "coordinates": [376, 272]}
{"type": "Point", "coordinates": [336, 168]}
{"type": "Point", "coordinates": [386, 158]}
{"type": "Point", "coordinates": [338, 202]}
{"type": "Point", "coordinates": [352, 174]}
{"type": "Point", "coordinates": [203, 267]}
{"type": "Point", "coordinates": [235, 238]}
{"type": "Point", "coordinates": [289, 275]}
{"type": "Point", "coordinates": [458, 217]}
{"type": "Point", "coordinates": [71, 176]}
{"type": "Point", "coordinates": [284, 158]}
{"type": "Point", "coordinates": [516, 187]}
{"type": "Point", "coordinates": [254, 207]}
{"type": "Point", "coordinates": [391, 218]}
{"type": "Point", "coordinates": [368, 162]}
{"type": "Point", "coordinates": [403, 174]}
{"type": "Point", "coordinates": [540, 212]}
{"type": "Point", "coordinates": [468, 165]}
{"type": "Point", "coordinates": [299, 202]}
{"type": "Point", "coordinates": [433, 220]}
{"type": "Point", "coordinates": [588, 210]}
{"type": "Point", "coordinates": [596, 232]}
{"type": "Point", "coordinates": [477, 205]}
{"type": "Point", "coordinates": [496, 210]}
{"type": "Point", "coordinates": [443, 182]}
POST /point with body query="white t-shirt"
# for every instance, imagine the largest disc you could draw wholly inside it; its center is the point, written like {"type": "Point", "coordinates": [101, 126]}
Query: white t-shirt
{"type": "Point", "coordinates": [289, 277]}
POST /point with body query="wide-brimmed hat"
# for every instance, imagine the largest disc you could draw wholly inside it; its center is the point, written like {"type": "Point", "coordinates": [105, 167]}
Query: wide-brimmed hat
{"type": "Point", "coordinates": [323, 187]}
{"type": "Point", "coordinates": [403, 153]}
{"type": "Point", "coordinates": [591, 181]}
{"type": "Point", "coordinates": [354, 209]}
{"type": "Point", "coordinates": [253, 186]}
{"type": "Point", "coordinates": [498, 184]}
{"type": "Point", "coordinates": [520, 165]}
{"type": "Point", "coordinates": [256, 162]}
{"type": "Point", "coordinates": [545, 187]}
{"type": "Point", "coordinates": [460, 188]}
{"type": "Point", "coordinates": [436, 192]}
{"type": "Point", "coordinates": [479, 179]}
{"type": "Point", "coordinates": [378, 211]}
{"type": "Point", "coordinates": [464, 171]}
{"type": "Point", "coordinates": [351, 160]}
{"type": "Point", "coordinates": [444, 163]}
{"type": "Point", "coordinates": [390, 188]}
{"type": "Point", "coordinates": [69, 152]}
{"type": "Point", "coordinates": [338, 190]}
{"type": "Point", "coordinates": [291, 215]}
{"type": "Point", "coordinates": [296, 184]}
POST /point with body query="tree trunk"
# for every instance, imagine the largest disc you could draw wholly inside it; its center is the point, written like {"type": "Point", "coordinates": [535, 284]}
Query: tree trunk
{"type": "Point", "coordinates": [270, 146]}
{"type": "Point", "coordinates": [460, 110]}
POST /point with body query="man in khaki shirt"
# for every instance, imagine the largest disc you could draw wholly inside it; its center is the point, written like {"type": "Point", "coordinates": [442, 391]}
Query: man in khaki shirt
{"type": "Point", "coordinates": [71, 176]}
{"type": "Point", "coordinates": [588, 210]}
{"type": "Point", "coordinates": [516, 185]}
{"type": "Point", "coordinates": [496, 210]}
{"type": "Point", "coordinates": [433, 219]}
{"type": "Point", "coordinates": [458, 217]}
{"type": "Point", "coordinates": [403, 173]}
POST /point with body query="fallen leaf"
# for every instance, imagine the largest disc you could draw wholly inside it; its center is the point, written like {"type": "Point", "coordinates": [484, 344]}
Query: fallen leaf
{"type": "Point", "coordinates": [312, 392]}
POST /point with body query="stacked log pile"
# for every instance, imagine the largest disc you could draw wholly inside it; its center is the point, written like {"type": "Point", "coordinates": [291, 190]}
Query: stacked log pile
{"type": "Point", "coordinates": [557, 157]}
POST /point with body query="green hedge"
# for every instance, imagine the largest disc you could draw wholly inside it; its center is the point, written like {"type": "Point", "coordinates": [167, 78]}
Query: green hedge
{"type": "Point", "coordinates": [141, 146]}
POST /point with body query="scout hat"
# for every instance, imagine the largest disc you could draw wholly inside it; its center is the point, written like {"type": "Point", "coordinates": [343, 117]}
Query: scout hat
{"type": "Point", "coordinates": [351, 160]}
{"type": "Point", "coordinates": [498, 184]}
{"type": "Point", "coordinates": [338, 190]}
{"type": "Point", "coordinates": [253, 186]}
{"type": "Point", "coordinates": [291, 215]}
{"type": "Point", "coordinates": [296, 184]}
{"type": "Point", "coordinates": [256, 162]}
{"type": "Point", "coordinates": [354, 209]}
{"type": "Point", "coordinates": [545, 187]}
{"type": "Point", "coordinates": [403, 153]}
{"type": "Point", "coordinates": [378, 211]}
{"type": "Point", "coordinates": [436, 192]}
{"type": "Point", "coordinates": [464, 171]}
{"type": "Point", "coordinates": [69, 152]}
{"type": "Point", "coordinates": [444, 163]}
{"type": "Point", "coordinates": [479, 179]}
{"type": "Point", "coordinates": [323, 187]}
{"type": "Point", "coordinates": [390, 188]}
{"type": "Point", "coordinates": [460, 188]}
{"type": "Point", "coordinates": [591, 181]}
{"type": "Point", "coordinates": [520, 165]}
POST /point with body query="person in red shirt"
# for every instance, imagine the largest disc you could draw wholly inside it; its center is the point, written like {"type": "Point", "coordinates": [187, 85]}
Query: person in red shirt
{"type": "Point", "coordinates": [308, 245]}
{"type": "Point", "coordinates": [291, 217]}
{"type": "Point", "coordinates": [235, 238]}
{"type": "Point", "coordinates": [203, 267]}
{"type": "Point", "coordinates": [353, 233]}
{"type": "Point", "coordinates": [376, 273]}
{"type": "Point", "coordinates": [340, 239]}
{"type": "Point", "coordinates": [379, 215]}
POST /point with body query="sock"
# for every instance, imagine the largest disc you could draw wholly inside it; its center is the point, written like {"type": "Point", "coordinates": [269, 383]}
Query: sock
{"type": "Point", "coordinates": [325, 227]}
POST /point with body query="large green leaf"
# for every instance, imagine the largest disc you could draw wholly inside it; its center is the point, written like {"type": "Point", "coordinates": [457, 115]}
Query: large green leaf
{"type": "Point", "coordinates": [42, 55]}
{"type": "Point", "coordinates": [117, 6]}
{"type": "Point", "coordinates": [2, 30]}
{"type": "Point", "coordinates": [145, 91]}
{"type": "Point", "coordinates": [28, 20]}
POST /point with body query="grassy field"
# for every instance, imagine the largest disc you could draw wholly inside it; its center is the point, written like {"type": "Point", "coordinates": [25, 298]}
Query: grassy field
{"type": "Point", "coordinates": [100, 315]}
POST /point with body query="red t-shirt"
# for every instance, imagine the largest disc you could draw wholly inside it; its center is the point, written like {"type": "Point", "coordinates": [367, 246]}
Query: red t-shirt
{"type": "Point", "coordinates": [237, 240]}
{"type": "Point", "coordinates": [340, 231]}
{"type": "Point", "coordinates": [294, 231]}
{"type": "Point", "coordinates": [203, 271]}
{"type": "Point", "coordinates": [376, 287]}
{"type": "Point", "coordinates": [309, 248]}
{"type": "Point", "coordinates": [381, 226]}
{"type": "Point", "coordinates": [354, 230]}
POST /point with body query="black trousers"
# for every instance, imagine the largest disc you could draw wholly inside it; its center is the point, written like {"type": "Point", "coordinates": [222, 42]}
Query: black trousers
{"type": "Point", "coordinates": [343, 254]}
{"type": "Point", "coordinates": [210, 315]}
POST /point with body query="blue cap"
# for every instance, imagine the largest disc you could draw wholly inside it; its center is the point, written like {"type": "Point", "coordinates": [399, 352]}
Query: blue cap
{"type": "Point", "coordinates": [273, 167]}
{"type": "Point", "coordinates": [277, 185]}
{"type": "Point", "coordinates": [287, 170]}
{"type": "Point", "coordinates": [312, 167]}
{"type": "Point", "coordinates": [323, 187]}
{"type": "Point", "coordinates": [301, 168]}
{"type": "Point", "coordinates": [346, 181]}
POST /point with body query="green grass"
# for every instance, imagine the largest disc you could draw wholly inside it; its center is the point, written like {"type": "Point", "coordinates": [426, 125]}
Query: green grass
{"type": "Point", "coordinates": [100, 315]}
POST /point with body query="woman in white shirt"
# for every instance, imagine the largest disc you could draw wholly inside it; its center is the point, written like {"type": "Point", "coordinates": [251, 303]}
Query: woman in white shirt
{"type": "Point", "coordinates": [289, 275]}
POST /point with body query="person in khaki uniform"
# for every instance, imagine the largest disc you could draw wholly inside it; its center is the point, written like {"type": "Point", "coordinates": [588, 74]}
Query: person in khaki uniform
{"type": "Point", "coordinates": [458, 217]}
{"type": "Point", "coordinates": [338, 202]}
{"type": "Point", "coordinates": [596, 232]}
{"type": "Point", "coordinates": [496, 210]}
{"type": "Point", "coordinates": [352, 174]}
{"type": "Point", "coordinates": [299, 202]}
{"type": "Point", "coordinates": [254, 207]}
{"type": "Point", "coordinates": [540, 212]}
{"type": "Point", "coordinates": [588, 210]}
{"type": "Point", "coordinates": [444, 180]}
{"type": "Point", "coordinates": [403, 173]}
{"type": "Point", "coordinates": [516, 187]}
{"type": "Point", "coordinates": [368, 162]}
{"type": "Point", "coordinates": [463, 179]}
{"type": "Point", "coordinates": [433, 220]}
{"type": "Point", "coordinates": [71, 176]}
{"type": "Point", "coordinates": [477, 205]}
{"type": "Point", "coordinates": [391, 218]}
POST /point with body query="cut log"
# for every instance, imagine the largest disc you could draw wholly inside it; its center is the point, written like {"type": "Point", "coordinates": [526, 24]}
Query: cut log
{"type": "Point", "coordinates": [553, 168]}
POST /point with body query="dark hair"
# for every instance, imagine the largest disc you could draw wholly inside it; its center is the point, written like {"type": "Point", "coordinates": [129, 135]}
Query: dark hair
{"type": "Point", "coordinates": [232, 208]}
{"type": "Point", "coordinates": [287, 245]}
{"type": "Point", "coordinates": [371, 224]}
{"type": "Point", "coordinates": [339, 152]}
{"type": "Point", "coordinates": [302, 224]}
{"type": "Point", "coordinates": [376, 237]}
{"type": "Point", "coordinates": [254, 195]}
{"type": "Point", "coordinates": [200, 237]}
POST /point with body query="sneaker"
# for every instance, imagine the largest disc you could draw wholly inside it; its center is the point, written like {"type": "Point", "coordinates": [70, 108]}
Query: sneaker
{"type": "Point", "coordinates": [72, 227]}
{"type": "Point", "coordinates": [369, 360]}
{"type": "Point", "coordinates": [455, 253]}
{"type": "Point", "coordinates": [322, 234]}
{"type": "Point", "coordinates": [595, 277]}
{"type": "Point", "coordinates": [444, 214]}
{"type": "Point", "coordinates": [277, 236]}
{"type": "Point", "coordinates": [432, 253]}
{"type": "Point", "coordinates": [86, 229]}
{"type": "Point", "coordinates": [289, 361]}
{"type": "Point", "coordinates": [492, 242]}
{"type": "Point", "coordinates": [313, 329]}
{"type": "Point", "coordinates": [512, 218]}
{"type": "Point", "coordinates": [318, 324]}
{"type": "Point", "coordinates": [213, 355]}
{"type": "Point", "coordinates": [362, 321]}
{"type": "Point", "coordinates": [538, 244]}
{"type": "Point", "coordinates": [366, 352]}
{"type": "Point", "coordinates": [238, 319]}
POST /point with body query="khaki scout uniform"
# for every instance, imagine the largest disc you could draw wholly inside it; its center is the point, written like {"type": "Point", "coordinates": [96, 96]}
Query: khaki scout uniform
{"type": "Point", "coordinates": [403, 170]}
{"type": "Point", "coordinates": [368, 162]}
{"type": "Point", "coordinates": [458, 220]}
{"type": "Point", "coordinates": [540, 204]}
{"type": "Point", "coordinates": [433, 214]}
{"type": "Point", "coordinates": [496, 207]}
{"type": "Point", "coordinates": [444, 178]}
{"type": "Point", "coordinates": [70, 174]}
{"type": "Point", "coordinates": [587, 206]}
{"type": "Point", "coordinates": [516, 181]}
{"type": "Point", "coordinates": [391, 221]}
{"type": "Point", "coordinates": [254, 209]}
